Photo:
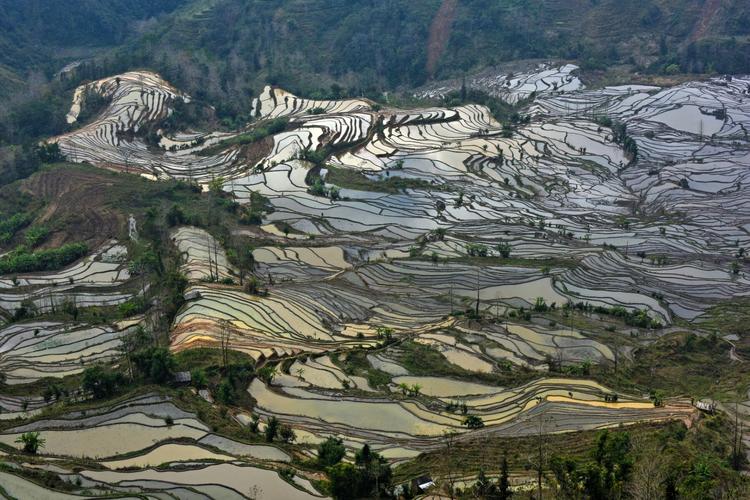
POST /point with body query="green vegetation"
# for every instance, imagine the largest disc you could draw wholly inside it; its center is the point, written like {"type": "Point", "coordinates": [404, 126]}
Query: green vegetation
{"type": "Point", "coordinates": [259, 131]}
{"type": "Point", "coordinates": [36, 235]}
{"type": "Point", "coordinates": [31, 442]}
{"type": "Point", "coordinates": [649, 460]}
{"type": "Point", "coordinates": [356, 363]}
{"type": "Point", "coordinates": [101, 382]}
{"type": "Point", "coordinates": [10, 226]}
{"type": "Point", "coordinates": [637, 318]}
{"type": "Point", "coordinates": [93, 103]}
{"type": "Point", "coordinates": [604, 476]}
{"type": "Point", "coordinates": [505, 113]}
{"type": "Point", "coordinates": [352, 179]}
{"type": "Point", "coordinates": [620, 136]}
{"type": "Point", "coordinates": [21, 260]}
{"type": "Point", "coordinates": [368, 477]}
{"type": "Point", "coordinates": [424, 360]}
{"type": "Point", "coordinates": [330, 452]}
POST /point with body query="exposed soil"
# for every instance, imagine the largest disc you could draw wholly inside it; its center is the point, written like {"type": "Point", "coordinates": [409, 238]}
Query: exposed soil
{"type": "Point", "coordinates": [256, 151]}
{"type": "Point", "coordinates": [440, 33]}
{"type": "Point", "coordinates": [76, 209]}
{"type": "Point", "coordinates": [707, 15]}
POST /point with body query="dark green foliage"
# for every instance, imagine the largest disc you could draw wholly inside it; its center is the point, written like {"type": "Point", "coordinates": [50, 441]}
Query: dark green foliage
{"type": "Point", "coordinates": [369, 474]}
{"type": "Point", "coordinates": [31, 442]}
{"type": "Point", "coordinates": [477, 250]}
{"type": "Point", "coordinates": [503, 486]}
{"type": "Point", "coordinates": [38, 118]}
{"type": "Point", "coordinates": [287, 434]}
{"type": "Point", "coordinates": [501, 110]}
{"type": "Point", "coordinates": [272, 429]}
{"type": "Point", "coordinates": [176, 216]}
{"type": "Point", "coordinates": [260, 131]}
{"type": "Point", "coordinates": [473, 422]}
{"type": "Point", "coordinates": [101, 382]}
{"type": "Point", "coordinates": [53, 392]}
{"type": "Point", "coordinates": [198, 378]}
{"type": "Point", "coordinates": [154, 364]}
{"type": "Point", "coordinates": [131, 307]}
{"type": "Point", "coordinates": [225, 394]}
{"type": "Point", "coordinates": [93, 104]}
{"type": "Point", "coordinates": [21, 260]}
{"type": "Point", "coordinates": [50, 153]}
{"type": "Point", "coordinates": [330, 452]}
{"type": "Point", "coordinates": [504, 250]}
{"type": "Point", "coordinates": [637, 318]}
{"type": "Point", "coordinates": [604, 476]}
{"type": "Point", "coordinates": [36, 235]}
{"type": "Point", "coordinates": [10, 226]}
{"type": "Point", "coordinates": [17, 162]}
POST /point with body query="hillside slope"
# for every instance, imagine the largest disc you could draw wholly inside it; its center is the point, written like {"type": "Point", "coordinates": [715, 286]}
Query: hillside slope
{"type": "Point", "coordinates": [225, 51]}
{"type": "Point", "coordinates": [40, 34]}
{"type": "Point", "coordinates": [364, 45]}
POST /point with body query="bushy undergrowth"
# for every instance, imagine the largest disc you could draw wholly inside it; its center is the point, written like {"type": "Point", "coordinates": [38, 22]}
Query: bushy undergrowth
{"type": "Point", "coordinates": [21, 260]}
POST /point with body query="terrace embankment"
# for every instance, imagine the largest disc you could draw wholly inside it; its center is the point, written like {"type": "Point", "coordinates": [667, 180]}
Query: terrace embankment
{"type": "Point", "coordinates": [77, 208]}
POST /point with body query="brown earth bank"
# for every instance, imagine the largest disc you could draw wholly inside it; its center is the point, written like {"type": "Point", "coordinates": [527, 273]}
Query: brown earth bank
{"type": "Point", "coordinates": [440, 33]}
{"type": "Point", "coordinates": [76, 207]}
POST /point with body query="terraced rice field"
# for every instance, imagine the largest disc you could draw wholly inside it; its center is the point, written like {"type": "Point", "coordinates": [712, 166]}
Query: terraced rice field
{"type": "Point", "coordinates": [480, 221]}
{"type": "Point", "coordinates": [101, 279]}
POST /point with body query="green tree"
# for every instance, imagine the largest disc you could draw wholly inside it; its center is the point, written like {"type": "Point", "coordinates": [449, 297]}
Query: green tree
{"type": "Point", "coordinates": [503, 487]}
{"type": "Point", "coordinates": [101, 382]}
{"type": "Point", "coordinates": [31, 441]}
{"type": "Point", "coordinates": [287, 434]}
{"type": "Point", "coordinates": [155, 364]}
{"type": "Point", "coordinates": [473, 422]}
{"type": "Point", "coordinates": [504, 250]}
{"type": "Point", "coordinates": [483, 488]}
{"type": "Point", "coordinates": [346, 482]}
{"type": "Point", "coordinates": [198, 378]}
{"type": "Point", "coordinates": [225, 393]}
{"type": "Point", "coordinates": [330, 452]}
{"type": "Point", "coordinates": [272, 429]}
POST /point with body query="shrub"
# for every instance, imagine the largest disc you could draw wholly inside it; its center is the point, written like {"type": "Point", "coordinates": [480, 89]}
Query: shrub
{"type": "Point", "coordinates": [31, 442]}
{"type": "Point", "coordinates": [21, 260]}
{"type": "Point", "coordinates": [101, 382]}
{"type": "Point", "coordinates": [330, 452]}
{"type": "Point", "coordinates": [473, 422]}
{"type": "Point", "coordinates": [272, 429]}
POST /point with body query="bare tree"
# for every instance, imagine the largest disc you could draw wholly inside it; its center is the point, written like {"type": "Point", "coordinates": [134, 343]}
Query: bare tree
{"type": "Point", "coordinates": [225, 336]}
{"type": "Point", "coordinates": [477, 305]}
{"type": "Point", "coordinates": [451, 461]}
{"type": "Point", "coordinates": [649, 474]}
{"type": "Point", "coordinates": [126, 155]}
{"type": "Point", "coordinates": [540, 460]}
{"type": "Point", "coordinates": [210, 258]}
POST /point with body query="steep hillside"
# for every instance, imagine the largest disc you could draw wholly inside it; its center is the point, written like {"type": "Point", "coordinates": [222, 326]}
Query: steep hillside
{"type": "Point", "coordinates": [222, 47]}
{"type": "Point", "coordinates": [226, 47]}
{"type": "Point", "coordinates": [39, 34]}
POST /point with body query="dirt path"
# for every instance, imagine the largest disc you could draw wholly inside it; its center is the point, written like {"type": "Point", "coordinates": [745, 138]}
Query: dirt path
{"type": "Point", "coordinates": [707, 15]}
{"type": "Point", "coordinates": [440, 32]}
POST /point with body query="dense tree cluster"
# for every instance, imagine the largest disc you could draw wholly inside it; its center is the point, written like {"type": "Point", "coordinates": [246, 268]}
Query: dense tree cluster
{"type": "Point", "coordinates": [21, 260]}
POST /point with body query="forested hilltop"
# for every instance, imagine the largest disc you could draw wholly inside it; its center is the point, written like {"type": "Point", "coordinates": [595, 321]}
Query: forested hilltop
{"type": "Point", "coordinates": [224, 48]}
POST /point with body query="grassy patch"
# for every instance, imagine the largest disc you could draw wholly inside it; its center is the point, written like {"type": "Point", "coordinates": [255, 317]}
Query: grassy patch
{"type": "Point", "coordinates": [22, 261]}
{"type": "Point", "coordinates": [686, 364]}
{"type": "Point", "coordinates": [356, 363]}
{"type": "Point", "coordinates": [678, 448]}
{"type": "Point", "coordinates": [352, 179]}
{"type": "Point", "coordinates": [426, 361]}
{"type": "Point", "coordinates": [260, 131]}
